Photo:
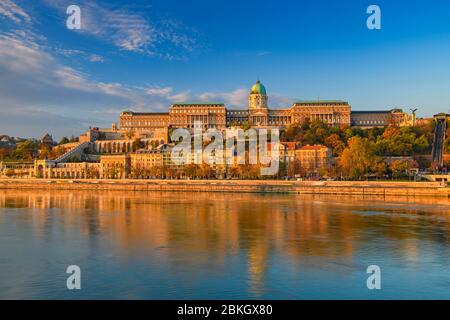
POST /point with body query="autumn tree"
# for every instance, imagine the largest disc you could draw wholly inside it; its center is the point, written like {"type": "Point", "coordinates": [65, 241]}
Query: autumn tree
{"type": "Point", "coordinates": [398, 168]}
{"type": "Point", "coordinates": [26, 150]}
{"type": "Point", "coordinates": [92, 173]}
{"type": "Point", "coordinates": [358, 159]}
{"type": "Point", "coordinates": [4, 153]}
{"type": "Point", "coordinates": [334, 142]}
{"type": "Point", "coordinates": [63, 140]}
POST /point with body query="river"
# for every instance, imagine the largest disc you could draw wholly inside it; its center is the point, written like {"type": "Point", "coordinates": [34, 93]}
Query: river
{"type": "Point", "coordinates": [138, 245]}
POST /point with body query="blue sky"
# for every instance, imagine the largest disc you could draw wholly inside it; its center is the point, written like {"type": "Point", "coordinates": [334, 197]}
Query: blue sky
{"type": "Point", "coordinates": [145, 55]}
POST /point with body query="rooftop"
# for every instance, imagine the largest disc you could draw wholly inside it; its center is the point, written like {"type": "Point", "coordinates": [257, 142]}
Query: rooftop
{"type": "Point", "coordinates": [144, 113]}
{"type": "Point", "coordinates": [289, 145]}
{"type": "Point", "coordinates": [258, 88]}
{"type": "Point", "coordinates": [371, 111]}
{"type": "Point", "coordinates": [315, 147]}
{"type": "Point", "coordinates": [200, 104]}
{"type": "Point", "coordinates": [318, 102]}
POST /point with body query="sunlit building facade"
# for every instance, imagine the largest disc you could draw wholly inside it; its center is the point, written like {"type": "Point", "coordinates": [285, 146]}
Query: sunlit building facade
{"type": "Point", "coordinates": [257, 114]}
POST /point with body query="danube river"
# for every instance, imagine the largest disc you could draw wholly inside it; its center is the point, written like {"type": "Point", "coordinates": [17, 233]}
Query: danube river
{"type": "Point", "coordinates": [221, 246]}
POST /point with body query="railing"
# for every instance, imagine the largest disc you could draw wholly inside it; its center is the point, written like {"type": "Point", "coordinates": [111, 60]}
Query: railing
{"type": "Point", "coordinates": [72, 152]}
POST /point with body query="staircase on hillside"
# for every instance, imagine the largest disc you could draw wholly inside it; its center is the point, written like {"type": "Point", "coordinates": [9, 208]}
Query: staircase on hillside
{"type": "Point", "coordinates": [76, 151]}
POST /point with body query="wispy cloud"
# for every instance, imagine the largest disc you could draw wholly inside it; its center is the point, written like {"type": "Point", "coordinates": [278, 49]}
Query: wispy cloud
{"type": "Point", "coordinates": [96, 58]}
{"type": "Point", "coordinates": [12, 11]}
{"type": "Point", "coordinates": [92, 57]}
{"type": "Point", "coordinates": [233, 99]}
{"type": "Point", "coordinates": [21, 54]}
{"type": "Point", "coordinates": [38, 82]}
{"type": "Point", "coordinates": [159, 91]}
{"type": "Point", "coordinates": [236, 98]}
{"type": "Point", "coordinates": [239, 98]}
{"type": "Point", "coordinates": [131, 31]}
{"type": "Point", "coordinates": [263, 53]}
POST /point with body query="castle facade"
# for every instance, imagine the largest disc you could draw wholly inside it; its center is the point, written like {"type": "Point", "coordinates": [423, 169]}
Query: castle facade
{"type": "Point", "coordinates": [257, 114]}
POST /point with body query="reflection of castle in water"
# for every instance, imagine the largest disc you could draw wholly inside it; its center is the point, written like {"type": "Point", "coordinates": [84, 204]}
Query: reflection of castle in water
{"type": "Point", "coordinates": [208, 228]}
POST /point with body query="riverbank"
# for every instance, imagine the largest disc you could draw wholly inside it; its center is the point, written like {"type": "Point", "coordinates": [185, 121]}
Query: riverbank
{"type": "Point", "coordinates": [379, 188]}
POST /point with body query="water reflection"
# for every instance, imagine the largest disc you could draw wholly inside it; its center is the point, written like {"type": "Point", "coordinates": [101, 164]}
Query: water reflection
{"type": "Point", "coordinates": [200, 245]}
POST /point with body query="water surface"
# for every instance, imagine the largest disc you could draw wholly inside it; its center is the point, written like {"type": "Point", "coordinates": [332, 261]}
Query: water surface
{"type": "Point", "coordinates": [221, 246]}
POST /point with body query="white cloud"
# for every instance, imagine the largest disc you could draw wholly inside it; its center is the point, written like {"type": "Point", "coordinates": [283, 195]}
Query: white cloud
{"type": "Point", "coordinates": [131, 31]}
{"type": "Point", "coordinates": [39, 92]}
{"type": "Point", "coordinates": [92, 57]}
{"type": "Point", "coordinates": [13, 12]}
{"type": "Point", "coordinates": [180, 97]}
{"type": "Point", "coordinates": [21, 53]}
{"type": "Point", "coordinates": [263, 53]}
{"type": "Point", "coordinates": [96, 58]}
{"type": "Point", "coordinates": [158, 91]}
{"type": "Point", "coordinates": [239, 98]}
{"type": "Point", "coordinates": [73, 79]}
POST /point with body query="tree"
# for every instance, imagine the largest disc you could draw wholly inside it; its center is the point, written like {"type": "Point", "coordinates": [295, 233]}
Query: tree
{"type": "Point", "coordinates": [138, 144]}
{"type": "Point", "coordinates": [154, 144]}
{"type": "Point", "coordinates": [10, 173]}
{"type": "Point", "coordinates": [129, 135]}
{"type": "Point", "coordinates": [380, 169]}
{"type": "Point", "coordinates": [156, 171]}
{"type": "Point", "coordinates": [4, 153]}
{"type": "Point", "coordinates": [234, 171]}
{"type": "Point", "coordinates": [399, 168]}
{"type": "Point", "coordinates": [115, 171]}
{"type": "Point", "coordinates": [294, 168]}
{"type": "Point", "coordinates": [56, 152]}
{"type": "Point", "coordinates": [334, 142]}
{"type": "Point", "coordinates": [205, 171]}
{"type": "Point", "coordinates": [191, 170]}
{"type": "Point", "coordinates": [44, 152]}
{"type": "Point", "coordinates": [26, 150]}
{"type": "Point", "coordinates": [358, 159]}
{"type": "Point", "coordinates": [63, 140]}
{"type": "Point", "coordinates": [137, 172]}
{"type": "Point", "coordinates": [92, 173]}
{"type": "Point", "coordinates": [292, 133]}
{"type": "Point", "coordinates": [73, 159]}
{"type": "Point", "coordinates": [282, 169]}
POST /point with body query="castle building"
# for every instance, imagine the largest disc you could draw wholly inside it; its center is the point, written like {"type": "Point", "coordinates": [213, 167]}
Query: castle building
{"type": "Point", "coordinates": [370, 119]}
{"type": "Point", "coordinates": [257, 114]}
{"type": "Point", "coordinates": [313, 158]}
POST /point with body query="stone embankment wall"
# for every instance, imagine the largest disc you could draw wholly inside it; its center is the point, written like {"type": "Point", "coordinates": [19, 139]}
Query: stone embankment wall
{"type": "Point", "coordinates": [269, 186]}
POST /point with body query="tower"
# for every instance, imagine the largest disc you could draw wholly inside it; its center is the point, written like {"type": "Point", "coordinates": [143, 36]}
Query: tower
{"type": "Point", "coordinates": [258, 97]}
{"type": "Point", "coordinates": [257, 104]}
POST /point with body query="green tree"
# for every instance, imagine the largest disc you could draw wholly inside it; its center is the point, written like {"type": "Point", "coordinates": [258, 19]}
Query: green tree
{"type": "Point", "coordinates": [64, 140]}
{"type": "Point", "coordinates": [26, 150]}
{"type": "Point", "coordinates": [398, 168]}
{"type": "Point", "coordinates": [358, 159]}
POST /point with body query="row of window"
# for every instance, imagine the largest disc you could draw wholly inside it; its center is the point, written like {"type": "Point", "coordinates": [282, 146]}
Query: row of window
{"type": "Point", "coordinates": [143, 123]}
{"type": "Point", "coordinates": [381, 122]}
{"type": "Point", "coordinates": [198, 111]}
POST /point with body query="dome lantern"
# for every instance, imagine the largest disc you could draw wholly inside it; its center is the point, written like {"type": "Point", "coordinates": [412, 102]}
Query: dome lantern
{"type": "Point", "coordinates": [257, 99]}
{"type": "Point", "coordinates": [258, 88]}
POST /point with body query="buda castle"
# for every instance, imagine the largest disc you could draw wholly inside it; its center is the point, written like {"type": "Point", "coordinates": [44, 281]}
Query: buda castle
{"type": "Point", "coordinates": [257, 114]}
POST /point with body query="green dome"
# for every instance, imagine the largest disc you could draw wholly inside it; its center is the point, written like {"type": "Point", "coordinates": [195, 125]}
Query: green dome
{"type": "Point", "coordinates": [258, 88]}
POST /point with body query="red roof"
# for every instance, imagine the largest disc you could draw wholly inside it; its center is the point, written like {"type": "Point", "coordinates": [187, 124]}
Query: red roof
{"type": "Point", "coordinates": [289, 145]}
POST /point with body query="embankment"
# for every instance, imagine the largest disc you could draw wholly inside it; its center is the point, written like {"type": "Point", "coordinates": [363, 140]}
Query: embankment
{"type": "Point", "coordinates": [382, 188]}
